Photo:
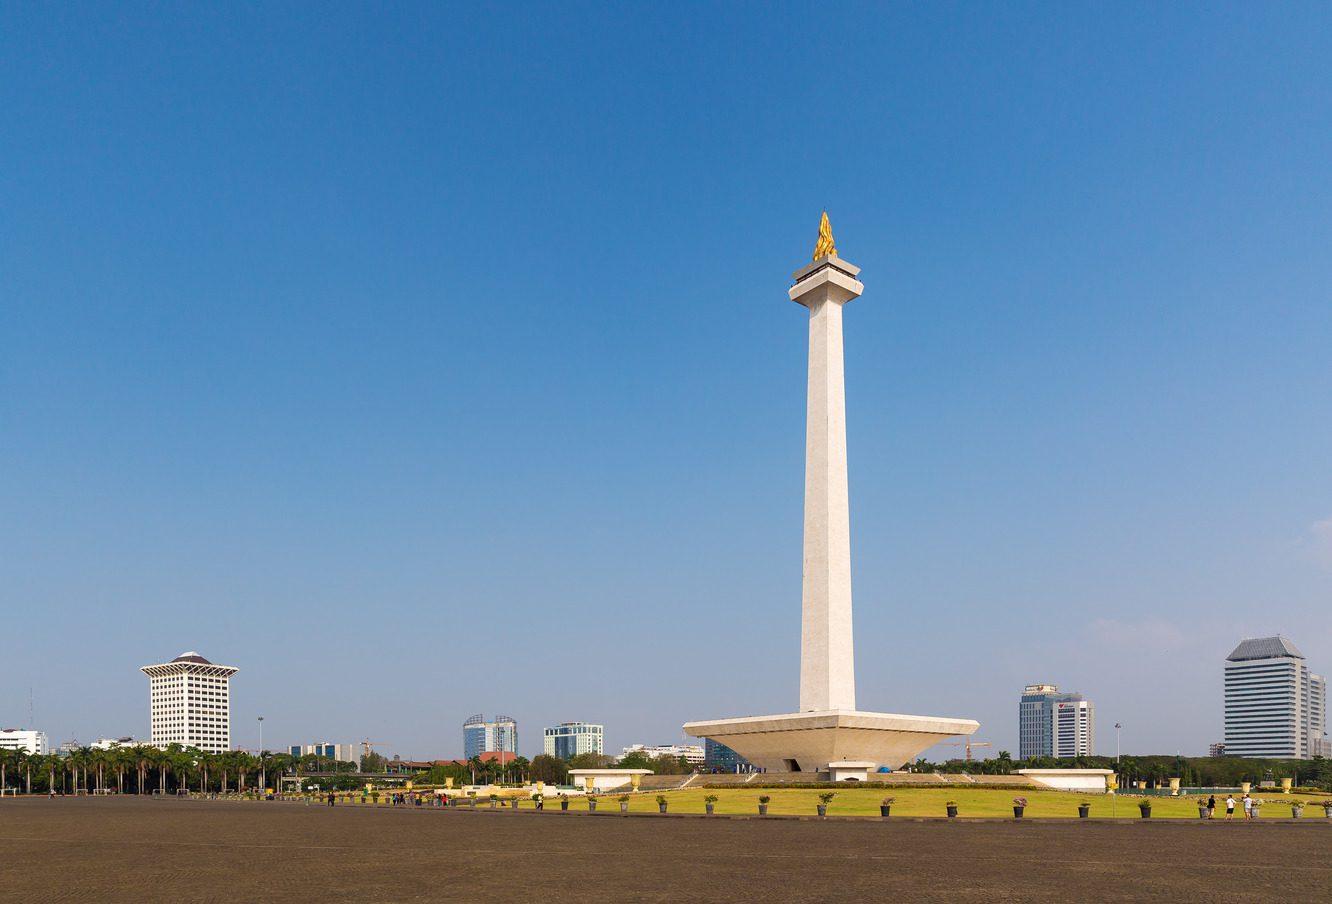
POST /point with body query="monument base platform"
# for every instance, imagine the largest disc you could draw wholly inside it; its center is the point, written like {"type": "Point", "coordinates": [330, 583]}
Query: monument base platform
{"type": "Point", "coordinates": [810, 742]}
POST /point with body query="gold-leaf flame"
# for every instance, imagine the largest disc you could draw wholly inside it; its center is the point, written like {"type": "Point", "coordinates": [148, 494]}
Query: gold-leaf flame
{"type": "Point", "coordinates": [825, 245]}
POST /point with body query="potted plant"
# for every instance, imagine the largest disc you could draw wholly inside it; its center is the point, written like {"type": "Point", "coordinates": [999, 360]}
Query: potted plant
{"type": "Point", "coordinates": [1327, 808]}
{"type": "Point", "coordinates": [661, 803]}
{"type": "Point", "coordinates": [885, 805]}
{"type": "Point", "coordinates": [494, 800]}
{"type": "Point", "coordinates": [763, 804]}
{"type": "Point", "coordinates": [1202, 809]}
{"type": "Point", "coordinates": [951, 805]}
{"type": "Point", "coordinates": [624, 803]}
{"type": "Point", "coordinates": [708, 803]}
{"type": "Point", "coordinates": [1145, 808]}
{"type": "Point", "coordinates": [564, 801]}
{"type": "Point", "coordinates": [1296, 808]}
{"type": "Point", "coordinates": [1257, 807]}
{"type": "Point", "coordinates": [1019, 806]}
{"type": "Point", "coordinates": [591, 803]}
{"type": "Point", "coordinates": [514, 802]}
{"type": "Point", "coordinates": [374, 795]}
{"type": "Point", "coordinates": [824, 799]}
{"type": "Point", "coordinates": [1084, 809]}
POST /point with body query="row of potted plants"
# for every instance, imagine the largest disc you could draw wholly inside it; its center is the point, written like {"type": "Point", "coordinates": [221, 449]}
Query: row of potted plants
{"type": "Point", "coordinates": [885, 805]}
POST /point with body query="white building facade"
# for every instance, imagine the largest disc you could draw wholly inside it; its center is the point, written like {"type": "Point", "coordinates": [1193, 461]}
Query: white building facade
{"type": "Point", "coordinates": [1052, 724]}
{"type": "Point", "coordinates": [569, 739]}
{"type": "Point", "coordinates": [190, 702]}
{"type": "Point", "coordinates": [25, 739]}
{"type": "Point", "coordinates": [693, 754]}
{"type": "Point", "coordinates": [1274, 706]}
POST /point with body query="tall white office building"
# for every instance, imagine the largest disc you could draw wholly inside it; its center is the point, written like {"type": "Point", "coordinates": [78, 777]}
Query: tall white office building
{"type": "Point", "coordinates": [1054, 724]}
{"type": "Point", "coordinates": [25, 739]}
{"type": "Point", "coordinates": [1274, 706]}
{"type": "Point", "coordinates": [190, 702]}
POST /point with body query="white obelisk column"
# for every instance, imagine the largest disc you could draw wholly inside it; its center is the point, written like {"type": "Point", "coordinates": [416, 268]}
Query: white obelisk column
{"type": "Point", "coordinates": [827, 654]}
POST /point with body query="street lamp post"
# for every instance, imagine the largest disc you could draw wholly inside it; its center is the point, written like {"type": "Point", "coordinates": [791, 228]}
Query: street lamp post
{"type": "Point", "coordinates": [1117, 727]}
{"type": "Point", "coordinates": [263, 774]}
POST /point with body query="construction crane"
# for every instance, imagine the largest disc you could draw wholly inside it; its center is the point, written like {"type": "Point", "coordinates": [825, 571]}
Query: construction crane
{"type": "Point", "coordinates": [367, 744]}
{"type": "Point", "coordinates": [968, 745]}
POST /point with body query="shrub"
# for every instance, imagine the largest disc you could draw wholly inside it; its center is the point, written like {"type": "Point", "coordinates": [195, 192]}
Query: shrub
{"type": "Point", "coordinates": [827, 796]}
{"type": "Point", "coordinates": [1019, 801]}
{"type": "Point", "coordinates": [764, 798]}
{"type": "Point", "coordinates": [887, 801]}
{"type": "Point", "coordinates": [661, 798]}
{"type": "Point", "coordinates": [710, 799]}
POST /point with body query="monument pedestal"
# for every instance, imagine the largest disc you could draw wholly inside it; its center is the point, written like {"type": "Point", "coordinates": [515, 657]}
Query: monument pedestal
{"type": "Point", "coordinates": [813, 741]}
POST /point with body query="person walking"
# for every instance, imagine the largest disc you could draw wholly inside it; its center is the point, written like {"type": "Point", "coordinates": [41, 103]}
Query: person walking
{"type": "Point", "coordinates": [330, 798]}
{"type": "Point", "coordinates": [1211, 805]}
{"type": "Point", "coordinates": [1230, 806]}
{"type": "Point", "coordinates": [1248, 807]}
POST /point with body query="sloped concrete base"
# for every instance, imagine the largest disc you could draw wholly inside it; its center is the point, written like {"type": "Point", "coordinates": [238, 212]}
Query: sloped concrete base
{"type": "Point", "coordinates": [808, 742]}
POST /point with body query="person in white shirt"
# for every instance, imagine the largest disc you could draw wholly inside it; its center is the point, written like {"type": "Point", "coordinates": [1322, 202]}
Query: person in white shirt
{"type": "Point", "coordinates": [1248, 807]}
{"type": "Point", "coordinates": [1230, 806]}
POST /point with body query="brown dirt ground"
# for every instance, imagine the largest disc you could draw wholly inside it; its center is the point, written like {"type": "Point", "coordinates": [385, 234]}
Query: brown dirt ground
{"type": "Point", "coordinates": [142, 850]}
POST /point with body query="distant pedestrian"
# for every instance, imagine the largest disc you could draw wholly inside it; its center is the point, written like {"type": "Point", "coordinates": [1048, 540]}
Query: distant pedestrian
{"type": "Point", "coordinates": [1211, 805]}
{"type": "Point", "coordinates": [330, 798]}
{"type": "Point", "coordinates": [1230, 806]}
{"type": "Point", "coordinates": [1248, 807]}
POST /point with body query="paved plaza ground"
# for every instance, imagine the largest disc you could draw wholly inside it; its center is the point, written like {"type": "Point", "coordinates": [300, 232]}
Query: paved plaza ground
{"type": "Point", "coordinates": [144, 850]}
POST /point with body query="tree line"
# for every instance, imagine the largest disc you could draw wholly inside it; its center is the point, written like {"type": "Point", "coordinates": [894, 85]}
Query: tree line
{"type": "Point", "coordinates": [143, 769]}
{"type": "Point", "coordinates": [1216, 771]}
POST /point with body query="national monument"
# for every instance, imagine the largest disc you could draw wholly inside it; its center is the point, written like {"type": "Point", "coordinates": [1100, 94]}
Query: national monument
{"type": "Point", "coordinates": [828, 734]}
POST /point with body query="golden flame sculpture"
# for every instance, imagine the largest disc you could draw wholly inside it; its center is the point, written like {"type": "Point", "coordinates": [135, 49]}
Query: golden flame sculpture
{"type": "Point", "coordinates": [825, 245]}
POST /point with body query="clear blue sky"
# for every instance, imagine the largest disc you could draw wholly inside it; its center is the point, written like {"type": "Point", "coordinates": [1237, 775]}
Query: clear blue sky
{"type": "Point", "coordinates": [383, 351]}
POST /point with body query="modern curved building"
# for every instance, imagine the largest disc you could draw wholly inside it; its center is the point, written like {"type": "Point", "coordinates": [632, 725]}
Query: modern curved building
{"type": "Point", "coordinates": [190, 701]}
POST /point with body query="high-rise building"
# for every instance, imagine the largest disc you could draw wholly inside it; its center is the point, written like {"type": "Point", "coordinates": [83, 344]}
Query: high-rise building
{"type": "Point", "coordinates": [1053, 724]}
{"type": "Point", "coordinates": [1274, 706]}
{"type": "Point", "coordinates": [569, 739]}
{"type": "Point", "coordinates": [189, 698]}
{"type": "Point", "coordinates": [33, 742]}
{"type": "Point", "coordinates": [480, 736]}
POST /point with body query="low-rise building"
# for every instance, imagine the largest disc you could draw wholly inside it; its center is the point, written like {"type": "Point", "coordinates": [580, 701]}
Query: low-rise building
{"type": "Point", "coordinates": [25, 739]}
{"type": "Point", "coordinates": [342, 753]}
{"type": "Point", "coordinates": [693, 754]}
{"type": "Point", "coordinates": [113, 743]}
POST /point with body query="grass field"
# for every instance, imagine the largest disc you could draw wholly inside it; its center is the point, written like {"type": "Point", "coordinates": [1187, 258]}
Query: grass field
{"type": "Point", "coordinates": [932, 802]}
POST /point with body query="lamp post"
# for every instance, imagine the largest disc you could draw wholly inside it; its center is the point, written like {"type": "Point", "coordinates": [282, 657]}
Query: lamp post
{"type": "Point", "coordinates": [1117, 727]}
{"type": "Point", "coordinates": [263, 775]}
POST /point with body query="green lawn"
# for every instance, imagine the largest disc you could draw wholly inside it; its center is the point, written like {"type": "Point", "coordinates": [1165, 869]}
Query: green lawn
{"type": "Point", "coordinates": [931, 802]}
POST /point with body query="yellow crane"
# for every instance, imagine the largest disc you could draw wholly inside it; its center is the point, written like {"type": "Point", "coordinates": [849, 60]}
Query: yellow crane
{"type": "Point", "coordinates": [367, 744]}
{"type": "Point", "coordinates": [968, 745]}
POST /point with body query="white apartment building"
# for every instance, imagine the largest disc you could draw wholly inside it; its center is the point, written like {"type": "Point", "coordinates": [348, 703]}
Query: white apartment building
{"type": "Point", "coordinates": [189, 698]}
{"type": "Point", "coordinates": [693, 753]}
{"type": "Point", "coordinates": [1274, 706]}
{"type": "Point", "coordinates": [34, 742]}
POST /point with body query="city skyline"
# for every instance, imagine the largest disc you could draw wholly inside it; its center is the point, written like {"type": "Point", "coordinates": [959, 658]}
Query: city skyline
{"type": "Point", "coordinates": [316, 331]}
